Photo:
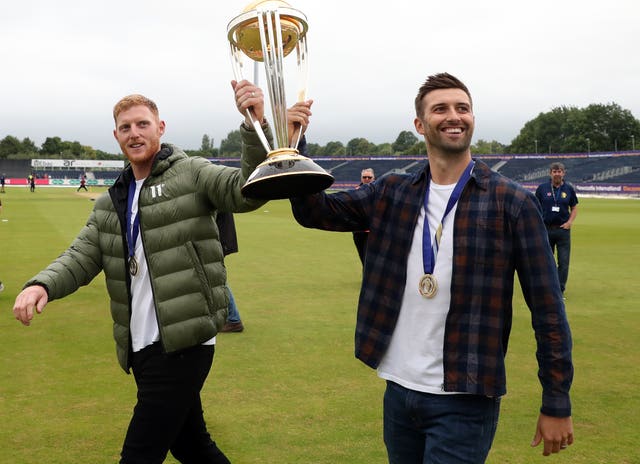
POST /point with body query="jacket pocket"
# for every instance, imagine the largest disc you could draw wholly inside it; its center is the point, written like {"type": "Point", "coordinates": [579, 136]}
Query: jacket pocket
{"type": "Point", "coordinates": [205, 285]}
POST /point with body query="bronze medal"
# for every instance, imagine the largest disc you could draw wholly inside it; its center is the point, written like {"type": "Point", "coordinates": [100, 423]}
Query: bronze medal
{"type": "Point", "coordinates": [133, 266]}
{"type": "Point", "coordinates": [428, 286]}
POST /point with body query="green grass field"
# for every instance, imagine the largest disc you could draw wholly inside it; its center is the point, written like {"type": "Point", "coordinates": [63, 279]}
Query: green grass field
{"type": "Point", "coordinates": [288, 389]}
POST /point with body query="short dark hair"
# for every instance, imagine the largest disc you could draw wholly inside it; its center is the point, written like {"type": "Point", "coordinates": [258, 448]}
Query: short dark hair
{"type": "Point", "coordinates": [556, 165]}
{"type": "Point", "coordinates": [437, 82]}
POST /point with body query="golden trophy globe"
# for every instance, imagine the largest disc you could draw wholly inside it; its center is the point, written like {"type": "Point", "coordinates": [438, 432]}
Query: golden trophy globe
{"type": "Point", "coordinates": [268, 31]}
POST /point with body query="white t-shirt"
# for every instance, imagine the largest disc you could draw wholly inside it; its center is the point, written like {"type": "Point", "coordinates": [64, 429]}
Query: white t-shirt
{"type": "Point", "coordinates": [144, 324]}
{"type": "Point", "coordinates": [414, 358]}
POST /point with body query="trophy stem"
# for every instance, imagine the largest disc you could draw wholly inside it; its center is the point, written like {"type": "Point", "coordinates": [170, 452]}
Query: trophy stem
{"type": "Point", "coordinates": [298, 137]}
{"type": "Point", "coordinates": [237, 73]}
{"type": "Point", "coordinates": [303, 79]}
{"type": "Point", "coordinates": [258, 128]}
{"type": "Point", "coordinates": [272, 52]}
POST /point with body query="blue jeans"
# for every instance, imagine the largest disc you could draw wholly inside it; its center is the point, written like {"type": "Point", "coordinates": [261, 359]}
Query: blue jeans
{"type": "Point", "coordinates": [423, 428]}
{"type": "Point", "coordinates": [234, 314]}
{"type": "Point", "coordinates": [561, 239]}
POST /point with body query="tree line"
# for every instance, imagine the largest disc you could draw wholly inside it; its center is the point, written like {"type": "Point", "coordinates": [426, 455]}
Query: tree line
{"type": "Point", "coordinates": [53, 147]}
{"type": "Point", "coordinates": [565, 129]}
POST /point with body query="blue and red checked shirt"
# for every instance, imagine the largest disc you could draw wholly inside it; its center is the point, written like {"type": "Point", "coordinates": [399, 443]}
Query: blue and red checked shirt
{"type": "Point", "coordinates": [498, 230]}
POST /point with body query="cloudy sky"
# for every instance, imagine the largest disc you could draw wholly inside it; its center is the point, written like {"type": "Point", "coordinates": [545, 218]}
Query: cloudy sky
{"type": "Point", "coordinates": [65, 63]}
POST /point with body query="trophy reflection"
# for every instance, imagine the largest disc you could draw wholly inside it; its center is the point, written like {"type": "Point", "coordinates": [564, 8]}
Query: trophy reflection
{"type": "Point", "coordinates": [268, 31]}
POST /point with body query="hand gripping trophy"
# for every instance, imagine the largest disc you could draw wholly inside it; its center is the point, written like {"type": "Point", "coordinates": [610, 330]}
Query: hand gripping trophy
{"type": "Point", "coordinates": [268, 31]}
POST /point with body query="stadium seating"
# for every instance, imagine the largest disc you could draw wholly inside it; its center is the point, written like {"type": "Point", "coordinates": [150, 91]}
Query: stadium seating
{"type": "Point", "coordinates": [609, 168]}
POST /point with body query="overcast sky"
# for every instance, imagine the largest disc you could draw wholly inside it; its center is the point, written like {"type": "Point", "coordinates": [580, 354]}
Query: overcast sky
{"type": "Point", "coordinates": [65, 63]}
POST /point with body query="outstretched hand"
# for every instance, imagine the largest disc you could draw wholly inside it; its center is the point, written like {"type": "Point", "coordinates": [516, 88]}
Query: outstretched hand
{"type": "Point", "coordinates": [31, 298]}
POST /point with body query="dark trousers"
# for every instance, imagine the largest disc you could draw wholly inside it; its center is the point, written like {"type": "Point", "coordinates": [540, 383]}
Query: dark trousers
{"type": "Point", "coordinates": [168, 415]}
{"type": "Point", "coordinates": [560, 239]}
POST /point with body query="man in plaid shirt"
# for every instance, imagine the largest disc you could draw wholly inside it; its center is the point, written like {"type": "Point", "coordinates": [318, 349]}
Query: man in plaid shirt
{"type": "Point", "coordinates": [435, 306]}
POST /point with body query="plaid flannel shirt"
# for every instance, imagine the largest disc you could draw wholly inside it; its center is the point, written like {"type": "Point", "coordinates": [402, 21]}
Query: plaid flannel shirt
{"type": "Point", "coordinates": [498, 230]}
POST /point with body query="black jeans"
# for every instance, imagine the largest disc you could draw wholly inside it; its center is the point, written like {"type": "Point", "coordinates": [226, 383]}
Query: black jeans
{"type": "Point", "coordinates": [168, 415]}
{"type": "Point", "coordinates": [560, 239]}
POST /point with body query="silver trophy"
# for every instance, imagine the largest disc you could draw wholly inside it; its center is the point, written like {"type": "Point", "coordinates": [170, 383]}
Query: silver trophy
{"type": "Point", "coordinates": [268, 31]}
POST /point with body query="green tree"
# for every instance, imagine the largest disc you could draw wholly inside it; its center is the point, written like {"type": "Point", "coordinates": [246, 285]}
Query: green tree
{"type": "Point", "coordinates": [103, 155]}
{"type": "Point", "coordinates": [419, 148]}
{"type": "Point", "coordinates": [51, 146]}
{"type": "Point", "coordinates": [569, 130]}
{"type": "Point", "coordinates": [385, 149]}
{"type": "Point", "coordinates": [28, 146]}
{"type": "Point", "coordinates": [610, 127]}
{"type": "Point", "coordinates": [231, 145]}
{"type": "Point", "coordinates": [546, 132]}
{"type": "Point", "coordinates": [483, 147]}
{"type": "Point", "coordinates": [314, 149]}
{"type": "Point", "coordinates": [71, 149]}
{"type": "Point", "coordinates": [404, 141]}
{"type": "Point", "coordinates": [207, 143]}
{"type": "Point", "coordinates": [334, 149]}
{"type": "Point", "coordinates": [359, 146]}
{"type": "Point", "coordinates": [88, 152]}
{"type": "Point", "coordinates": [10, 145]}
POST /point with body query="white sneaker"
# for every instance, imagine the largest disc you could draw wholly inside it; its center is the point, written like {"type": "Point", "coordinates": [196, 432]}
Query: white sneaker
{"type": "Point", "coordinates": [1, 286]}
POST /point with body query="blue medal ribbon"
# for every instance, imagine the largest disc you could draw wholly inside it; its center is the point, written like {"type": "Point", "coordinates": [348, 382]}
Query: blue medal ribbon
{"type": "Point", "coordinates": [132, 231]}
{"type": "Point", "coordinates": [429, 251]}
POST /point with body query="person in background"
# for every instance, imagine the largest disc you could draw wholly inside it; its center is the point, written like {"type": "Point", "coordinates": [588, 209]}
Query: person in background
{"type": "Point", "coordinates": [153, 234]}
{"type": "Point", "coordinates": [229, 241]}
{"type": "Point", "coordinates": [559, 204]}
{"type": "Point", "coordinates": [360, 237]}
{"type": "Point", "coordinates": [83, 183]}
{"type": "Point", "coordinates": [435, 307]}
{"type": "Point", "coordinates": [297, 119]}
{"type": "Point", "coordinates": [2, 181]}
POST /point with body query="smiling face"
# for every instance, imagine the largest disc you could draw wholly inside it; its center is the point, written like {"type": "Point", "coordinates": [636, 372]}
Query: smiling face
{"type": "Point", "coordinates": [446, 121]}
{"type": "Point", "coordinates": [138, 132]}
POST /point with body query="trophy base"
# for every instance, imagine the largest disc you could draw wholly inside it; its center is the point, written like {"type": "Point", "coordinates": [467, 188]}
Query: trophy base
{"type": "Point", "coordinates": [286, 174]}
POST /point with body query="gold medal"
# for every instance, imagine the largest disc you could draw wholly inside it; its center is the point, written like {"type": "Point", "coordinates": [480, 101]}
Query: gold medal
{"type": "Point", "coordinates": [428, 286]}
{"type": "Point", "coordinates": [133, 266]}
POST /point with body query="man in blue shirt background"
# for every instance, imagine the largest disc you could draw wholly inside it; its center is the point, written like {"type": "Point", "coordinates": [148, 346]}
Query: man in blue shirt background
{"type": "Point", "coordinates": [559, 209]}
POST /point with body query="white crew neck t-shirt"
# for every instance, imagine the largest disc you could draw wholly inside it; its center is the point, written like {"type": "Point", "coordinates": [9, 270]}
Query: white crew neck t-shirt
{"type": "Point", "coordinates": [144, 323]}
{"type": "Point", "coordinates": [414, 358]}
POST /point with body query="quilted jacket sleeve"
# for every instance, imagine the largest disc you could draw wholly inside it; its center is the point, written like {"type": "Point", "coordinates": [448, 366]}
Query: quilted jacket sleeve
{"type": "Point", "coordinates": [75, 267]}
{"type": "Point", "coordinates": [223, 184]}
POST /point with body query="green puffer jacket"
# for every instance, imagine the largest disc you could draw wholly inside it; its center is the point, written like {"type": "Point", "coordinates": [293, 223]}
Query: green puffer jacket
{"type": "Point", "coordinates": [184, 256]}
